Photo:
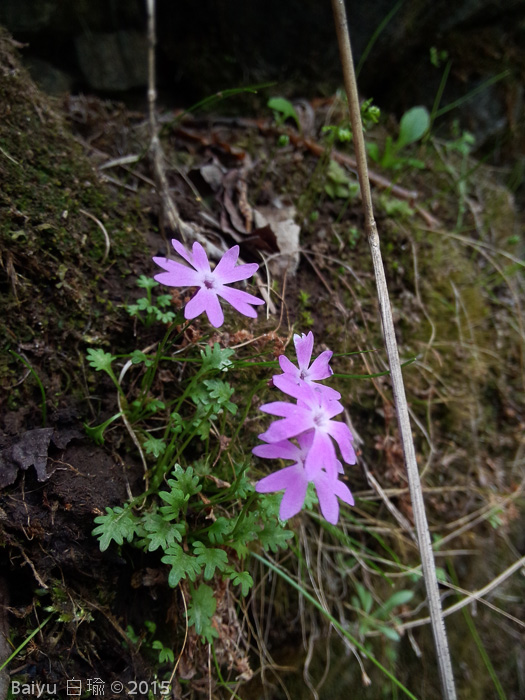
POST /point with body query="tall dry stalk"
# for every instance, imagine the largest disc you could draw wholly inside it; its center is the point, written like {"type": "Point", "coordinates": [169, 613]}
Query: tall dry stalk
{"type": "Point", "coordinates": [416, 493]}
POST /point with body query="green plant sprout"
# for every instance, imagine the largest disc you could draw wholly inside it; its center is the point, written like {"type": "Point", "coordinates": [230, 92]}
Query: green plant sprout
{"type": "Point", "coordinates": [283, 109]}
{"type": "Point", "coordinates": [369, 619]}
{"type": "Point", "coordinates": [336, 133]}
{"type": "Point", "coordinates": [163, 654]}
{"type": "Point", "coordinates": [307, 319]}
{"type": "Point", "coordinates": [148, 310]}
{"type": "Point", "coordinates": [353, 236]}
{"type": "Point", "coordinates": [370, 114]}
{"type": "Point", "coordinates": [338, 185]}
{"type": "Point", "coordinates": [412, 127]}
{"type": "Point", "coordinates": [437, 57]}
{"type": "Point", "coordinates": [210, 101]}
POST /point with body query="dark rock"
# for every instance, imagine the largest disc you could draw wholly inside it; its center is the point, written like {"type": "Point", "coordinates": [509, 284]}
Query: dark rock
{"type": "Point", "coordinates": [49, 78]}
{"type": "Point", "coordinates": [113, 61]}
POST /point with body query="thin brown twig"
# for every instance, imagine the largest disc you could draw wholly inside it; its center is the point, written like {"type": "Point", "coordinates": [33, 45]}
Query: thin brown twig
{"type": "Point", "coordinates": [170, 213]}
{"type": "Point", "coordinates": [403, 417]}
{"type": "Point", "coordinates": [185, 638]}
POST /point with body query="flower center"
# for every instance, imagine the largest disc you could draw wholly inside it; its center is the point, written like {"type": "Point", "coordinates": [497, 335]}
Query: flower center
{"type": "Point", "coordinates": [319, 419]}
{"type": "Point", "coordinates": [209, 282]}
{"type": "Point", "coordinates": [303, 374]}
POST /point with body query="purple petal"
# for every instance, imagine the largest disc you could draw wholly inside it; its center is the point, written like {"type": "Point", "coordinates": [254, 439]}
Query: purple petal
{"type": "Point", "coordinates": [284, 449]}
{"type": "Point", "coordinates": [287, 366]}
{"type": "Point", "coordinates": [227, 262]}
{"type": "Point", "coordinates": [342, 435]}
{"type": "Point", "coordinates": [240, 300]}
{"type": "Point", "coordinates": [181, 250]}
{"type": "Point", "coordinates": [279, 480]}
{"type": "Point", "coordinates": [241, 272]}
{"type": "Point", "coordinates": [343, 492]}
{"type": "Point", "coordinates": [328, 503]}
{"type": "Point", "coordinates": [293, 500]}
{"type": "Point", "coordinates": [321, 455]}
{"type": "Point", "coordinates": [200, 259]}
{"type": "Point", "coordinates": [288, 384]}
{"type": "Point", "coordinates": [304, 344]}
{"type": "Point", "coordinates": [227, 272]}
{"type": "Point", "coordinates": [279, 408]}
{"type": "Point", "coordinates": [296, 421]}
{"type": "Point", "coordinates": [316, 402]}
{"type": "Point", "coordinates": [308, 396]}
{"type": "Point", "coordinates": [320, 368]}
{"type": "Point", "coordinates": [293, 386]}
{"type": "Point", "coordinates": [327, 391]}
{"type": "Point", "coordinates": [305, 440]}
{"type": "Point", "coordinates": [294, 483]}
{"type": "Point", "coordinates": [284, 429]}
{"type": "Point", "coordinates": [177, 275]}
{"type": "Point", "coordinates": [205, 301]}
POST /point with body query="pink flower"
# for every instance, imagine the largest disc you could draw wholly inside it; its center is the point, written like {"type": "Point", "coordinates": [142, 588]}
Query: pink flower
{"type": "Point", "coordinates": [295, 378]}
{"type": "Point", "coordinates": [294, 479]}
{"type": "Point", "coordinates": [314, 412]}
{"type": "Point", "coordinates": [212, 283]}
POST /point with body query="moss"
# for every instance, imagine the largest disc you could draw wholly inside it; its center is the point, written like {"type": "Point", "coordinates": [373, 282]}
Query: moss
{"type": "Point", "coordinates": [50, 274]}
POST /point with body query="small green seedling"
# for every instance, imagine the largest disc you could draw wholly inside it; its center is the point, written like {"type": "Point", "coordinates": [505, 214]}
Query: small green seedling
{"type": "Point", "coordinates": [338, 184]}
{"type": "Point", "coordinates": [413, 126]}
{"type": "Point", "coordinates": [283, 109]}
{"type": "Point", "coordinates": [149, 310]}
{"type": "Point", "coordinates": [337, 133]}
{"type": "Point", "coordinates": [438, 57]}
{"type": "Point", "coordinates": [380, 618]}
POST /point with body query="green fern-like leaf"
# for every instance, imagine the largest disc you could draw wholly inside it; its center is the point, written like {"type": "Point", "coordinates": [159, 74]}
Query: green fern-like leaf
{"type": "Point", "coordinates": [242, 486]}
{"type": "Point", "coordinates": [176, 500]}
{"type": "Point", "coordinates": [246, 530]}
{"type": "Point", "coordinates": [221, 392]}
{"type": "Point", "coordinates": [154, 446]}
{"type": "Point", "coordinates": [217, 358]}
{"type": "Point", "coordinates": [161, 533]}
{"type": "Point", "coordinates": [200, 612]}
{"type": "Point", "coordinates": [100, 360]}
{"type": "Point", "coordinates": [166, 655]}
{"type": "Point", "coordinates": [242, 579]}
{"type": "Point", "coordinates": [210, 558]}
{"type": "Point", "coordinates": [146, 282]}
{"type": "Point", "coordinates": [118, 524]}
{"type": "Point", "coordinates": [185, 480]}
{"type": "Point", "coordinates": [182, 565]}
{"type": "Point", "coordinates": [137, 356]}
{"type": "Point", "coordinates": [274, 536]}
{"type": "Point", "coordinates": [220, 529]}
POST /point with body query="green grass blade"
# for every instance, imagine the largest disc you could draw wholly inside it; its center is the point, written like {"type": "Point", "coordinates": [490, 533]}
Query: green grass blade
{"type": "Point", "coordinates": [334, 622]}
{"type": "Point", "coordinates": [25, 642]}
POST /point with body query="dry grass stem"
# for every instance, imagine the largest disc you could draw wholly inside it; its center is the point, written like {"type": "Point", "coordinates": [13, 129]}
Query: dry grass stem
{"type": "Point", "coordinates": [423, 533]}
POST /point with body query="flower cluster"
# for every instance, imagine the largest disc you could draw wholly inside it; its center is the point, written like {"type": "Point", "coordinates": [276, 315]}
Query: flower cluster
{"type": "Point", "coordinates": [212, 283]}
{"type": "Point", "coordinates": [310, 422]}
